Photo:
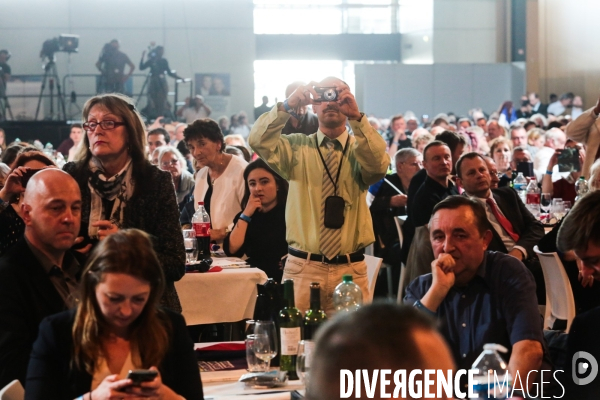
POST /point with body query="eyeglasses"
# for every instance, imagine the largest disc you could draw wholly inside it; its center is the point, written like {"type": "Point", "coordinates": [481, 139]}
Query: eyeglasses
{"type": "Point", "coordinates": [106, 125]}
{"type": "Point", "coordinates": [171, 162]}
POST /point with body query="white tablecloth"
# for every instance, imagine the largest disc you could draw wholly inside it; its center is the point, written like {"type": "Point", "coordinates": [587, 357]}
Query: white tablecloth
{"type": "Point", "coordinates": [225, 390]}
{"type": "Point", "coordinates": [226, 296]}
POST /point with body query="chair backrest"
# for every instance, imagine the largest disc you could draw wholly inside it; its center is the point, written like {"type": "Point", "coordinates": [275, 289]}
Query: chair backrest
{"type": "Point", "coordinates": [373, 266]}
{"type": "Point", "coordinates": [560, 303]}
{"type": "Point", "coordinates": [399, 222]}
{"type": "Point", "coordinates": [12, 391]}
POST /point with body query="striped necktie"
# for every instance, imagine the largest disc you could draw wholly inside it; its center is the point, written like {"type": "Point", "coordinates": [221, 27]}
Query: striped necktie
{"type": "Point", "coordinates": [330, 242]}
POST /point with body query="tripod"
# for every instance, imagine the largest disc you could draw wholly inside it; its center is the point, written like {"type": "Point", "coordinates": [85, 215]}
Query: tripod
{"type": "Point", "coordinates": [4, 104]}
{"type": "Point", "coordinates": [51, 73]}
{"type": "Point", "coordinates": [143, 88]}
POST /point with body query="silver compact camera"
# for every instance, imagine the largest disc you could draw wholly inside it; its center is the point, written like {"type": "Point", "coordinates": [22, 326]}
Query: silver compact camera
{"type": "Point", "coordinates": [326, 94]}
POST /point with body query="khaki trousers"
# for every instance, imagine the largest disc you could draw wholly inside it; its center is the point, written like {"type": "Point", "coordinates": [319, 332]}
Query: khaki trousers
{"type": "Point", "coordinates": [305, 271]}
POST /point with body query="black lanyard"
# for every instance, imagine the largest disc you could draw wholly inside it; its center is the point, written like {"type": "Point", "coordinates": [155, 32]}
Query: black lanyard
{"type": "Point", "coordinates": [337, 178]}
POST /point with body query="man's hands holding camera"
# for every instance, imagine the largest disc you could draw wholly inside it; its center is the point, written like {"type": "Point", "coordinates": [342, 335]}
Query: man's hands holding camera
{"type": "Point", "coordinates": [313, 93]}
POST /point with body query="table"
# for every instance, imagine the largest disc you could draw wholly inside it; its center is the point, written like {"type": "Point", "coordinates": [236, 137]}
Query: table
{"type": "Point", "coordinates": [214, 297]}
{"type": "Point", "coordinates": [224, 385]}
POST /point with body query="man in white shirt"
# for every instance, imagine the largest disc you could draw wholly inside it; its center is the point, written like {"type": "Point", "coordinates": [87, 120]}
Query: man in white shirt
{"type": "Point", "coordinates": [558, 107]}
{"type": "Point", "coordinates": [194, 109]}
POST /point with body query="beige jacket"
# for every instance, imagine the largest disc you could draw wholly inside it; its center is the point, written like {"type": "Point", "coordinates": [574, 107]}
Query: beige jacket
{"type": "Point", "coordinates": [586, 129]}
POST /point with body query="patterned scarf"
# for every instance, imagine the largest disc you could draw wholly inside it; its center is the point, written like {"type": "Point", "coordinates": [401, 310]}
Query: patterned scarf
{"type": "Point", "coordinates": [118, 188]}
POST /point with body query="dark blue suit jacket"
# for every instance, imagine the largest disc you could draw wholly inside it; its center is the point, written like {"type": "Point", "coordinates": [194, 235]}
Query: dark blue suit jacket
{"type": "Point", "coordinates": [26, 297]}
{"type": "Point", "coordinates": [50, 375]}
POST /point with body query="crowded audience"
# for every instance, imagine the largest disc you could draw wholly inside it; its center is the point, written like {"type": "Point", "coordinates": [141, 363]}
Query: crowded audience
{"type": "Point", "coordinates": [304, 193]}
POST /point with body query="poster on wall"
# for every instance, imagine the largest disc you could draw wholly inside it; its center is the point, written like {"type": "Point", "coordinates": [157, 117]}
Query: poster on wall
{"type": "Point", "coordinates": [216, 90]}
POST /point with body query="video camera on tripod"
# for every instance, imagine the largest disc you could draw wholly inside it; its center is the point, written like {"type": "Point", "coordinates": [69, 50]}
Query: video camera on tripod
{"type": "Point", "coordinates": [64, 43]}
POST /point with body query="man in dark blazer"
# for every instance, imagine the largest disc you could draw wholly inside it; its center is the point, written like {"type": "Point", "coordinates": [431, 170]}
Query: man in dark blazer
{"type": "Point", "coordinates": [515, 230]}
{"type": "Point", "coordinates": [578, 235]}
{"type": "Point", "coordinates": [38, 275]}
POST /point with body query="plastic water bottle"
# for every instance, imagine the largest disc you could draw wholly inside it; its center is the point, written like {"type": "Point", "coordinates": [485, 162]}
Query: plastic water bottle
{"type": "Point", "coordinates": [520, 185]}
{"type": "Point", "coordinates": [347, 296]}
{"type": "Point", "coordinates": [491, 378]}
{"type": "Point", "coordinates": [201, 224]}
{"type": "Point", "coordinates": [533, 198]}
{"type": "Point", "coordinates": [581, 187]}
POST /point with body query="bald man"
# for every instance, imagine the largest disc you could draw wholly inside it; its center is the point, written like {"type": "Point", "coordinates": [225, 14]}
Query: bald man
{"type": "Point", "coordinates": [38, 275]}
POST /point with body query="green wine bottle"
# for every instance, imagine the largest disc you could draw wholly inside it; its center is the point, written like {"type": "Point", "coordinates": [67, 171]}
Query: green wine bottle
{"type": "Point", "coordinates": [290, 330]}
{"type": "Point", "coordinates": [314, 316]}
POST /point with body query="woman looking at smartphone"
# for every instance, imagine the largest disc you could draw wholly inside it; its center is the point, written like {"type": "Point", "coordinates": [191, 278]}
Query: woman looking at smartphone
{"type": "Point", "coordinates": [118, 326]}
{"type": "Point", "coordinates": [259, 230]}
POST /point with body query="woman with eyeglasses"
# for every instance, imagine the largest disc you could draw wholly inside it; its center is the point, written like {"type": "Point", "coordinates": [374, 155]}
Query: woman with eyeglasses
{"type": "Point", "coordinates": [118, 326]}
{"type": "Point", "coordinates": [121, 189]}
{"type": "Point", "coordinates": [172, 161]}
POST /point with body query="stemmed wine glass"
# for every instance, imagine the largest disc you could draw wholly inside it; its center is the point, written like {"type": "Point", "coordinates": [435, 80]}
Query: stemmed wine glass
{"type": "Point", "coordinates": [265, 341]}
{"type": "Point", "coordinates": [191, 246]}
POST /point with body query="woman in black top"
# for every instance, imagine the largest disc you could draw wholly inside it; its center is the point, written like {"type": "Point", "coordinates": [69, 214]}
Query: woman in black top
{"type": "Point", "coordinates": [259, 230]}
{"type": "Point", "coordinates": [158, 87]}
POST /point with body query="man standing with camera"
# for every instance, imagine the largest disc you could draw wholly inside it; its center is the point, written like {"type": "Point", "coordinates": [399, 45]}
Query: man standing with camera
{"type": "Point", "coordinates": [112, 66]}
{"type": "Point", "coordinates": [327, 217]}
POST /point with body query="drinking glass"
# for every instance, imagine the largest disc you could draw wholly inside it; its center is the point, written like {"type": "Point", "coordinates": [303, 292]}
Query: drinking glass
{"type": "Point", "coordinates": [265, 341]}
{"type": "Point", "coordinates": [255, 364]}
{"type": "Point", "coordinates": [545, 202]}
{"type": "Point", "coordinates": [305, 349]}
{"type": "Point", "coordinates": [191, 246]}
{"type": "Point", "coordinates": [567, 206]}
{"type": "Point", "coordinates": [558, 209]}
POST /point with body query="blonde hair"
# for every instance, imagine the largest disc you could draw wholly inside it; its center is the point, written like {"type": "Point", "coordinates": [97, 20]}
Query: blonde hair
{"type": "Point", "coordinates": [594, 180]}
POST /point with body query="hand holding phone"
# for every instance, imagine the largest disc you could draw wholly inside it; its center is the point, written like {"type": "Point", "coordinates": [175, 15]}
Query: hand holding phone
{"type": "Point", "coordinates": [139, 376]}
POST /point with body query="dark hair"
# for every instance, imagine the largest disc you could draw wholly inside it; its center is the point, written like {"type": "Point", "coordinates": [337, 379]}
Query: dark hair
{"type": "Point", "coordinates": [77, 125]}
{"type": "Point", "coordinates": [129, 252]}
{"type": "Point", "coordinates": [282, 184]}
{"type": "Point", "coordinates": [467, 156]}
{"type": "Point", "coordinates": [452, 139]}
{"type": "Point", "coordinates": [454, 202]}
{"type": "Point", "coordinates": [376, 336]}
{"type": "Point", "coordinates": [204, 128]}
{"type": "Point", "coordinates": [581, 225]}
{"type": "Point", "coordinates": [161, 131]}
{"type": "Point", "coordinates": [9, 155]}
{"type": "Point", "coordinates": [246, 152]}
{"type": "Point", "coordinates": [434, 143]}
{"type": "Point", "coordinates": [32, 155]}
{"type": "Point", "coordinates": [182, 147]}
{"type": "Point", "coordinates": [396, 117]}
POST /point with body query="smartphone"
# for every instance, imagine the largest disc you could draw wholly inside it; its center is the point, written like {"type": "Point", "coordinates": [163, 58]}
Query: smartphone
{"type": "Point", "coordinates": [568, 160]}
{"type": "Point", "coordinates": [526, 167]}
{"type": "Point", "coordinates": [141, 375]}
{"type": "Point", "coordinates": [27, 176]}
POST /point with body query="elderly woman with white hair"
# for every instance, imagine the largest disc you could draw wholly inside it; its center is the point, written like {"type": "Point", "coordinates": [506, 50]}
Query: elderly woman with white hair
{"type": "Point", "coordinates": [172, 161]}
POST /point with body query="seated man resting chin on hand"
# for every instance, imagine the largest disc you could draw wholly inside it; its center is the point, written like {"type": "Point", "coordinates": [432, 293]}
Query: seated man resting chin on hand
{"type": "Point", "coordinates": [479, 296]}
